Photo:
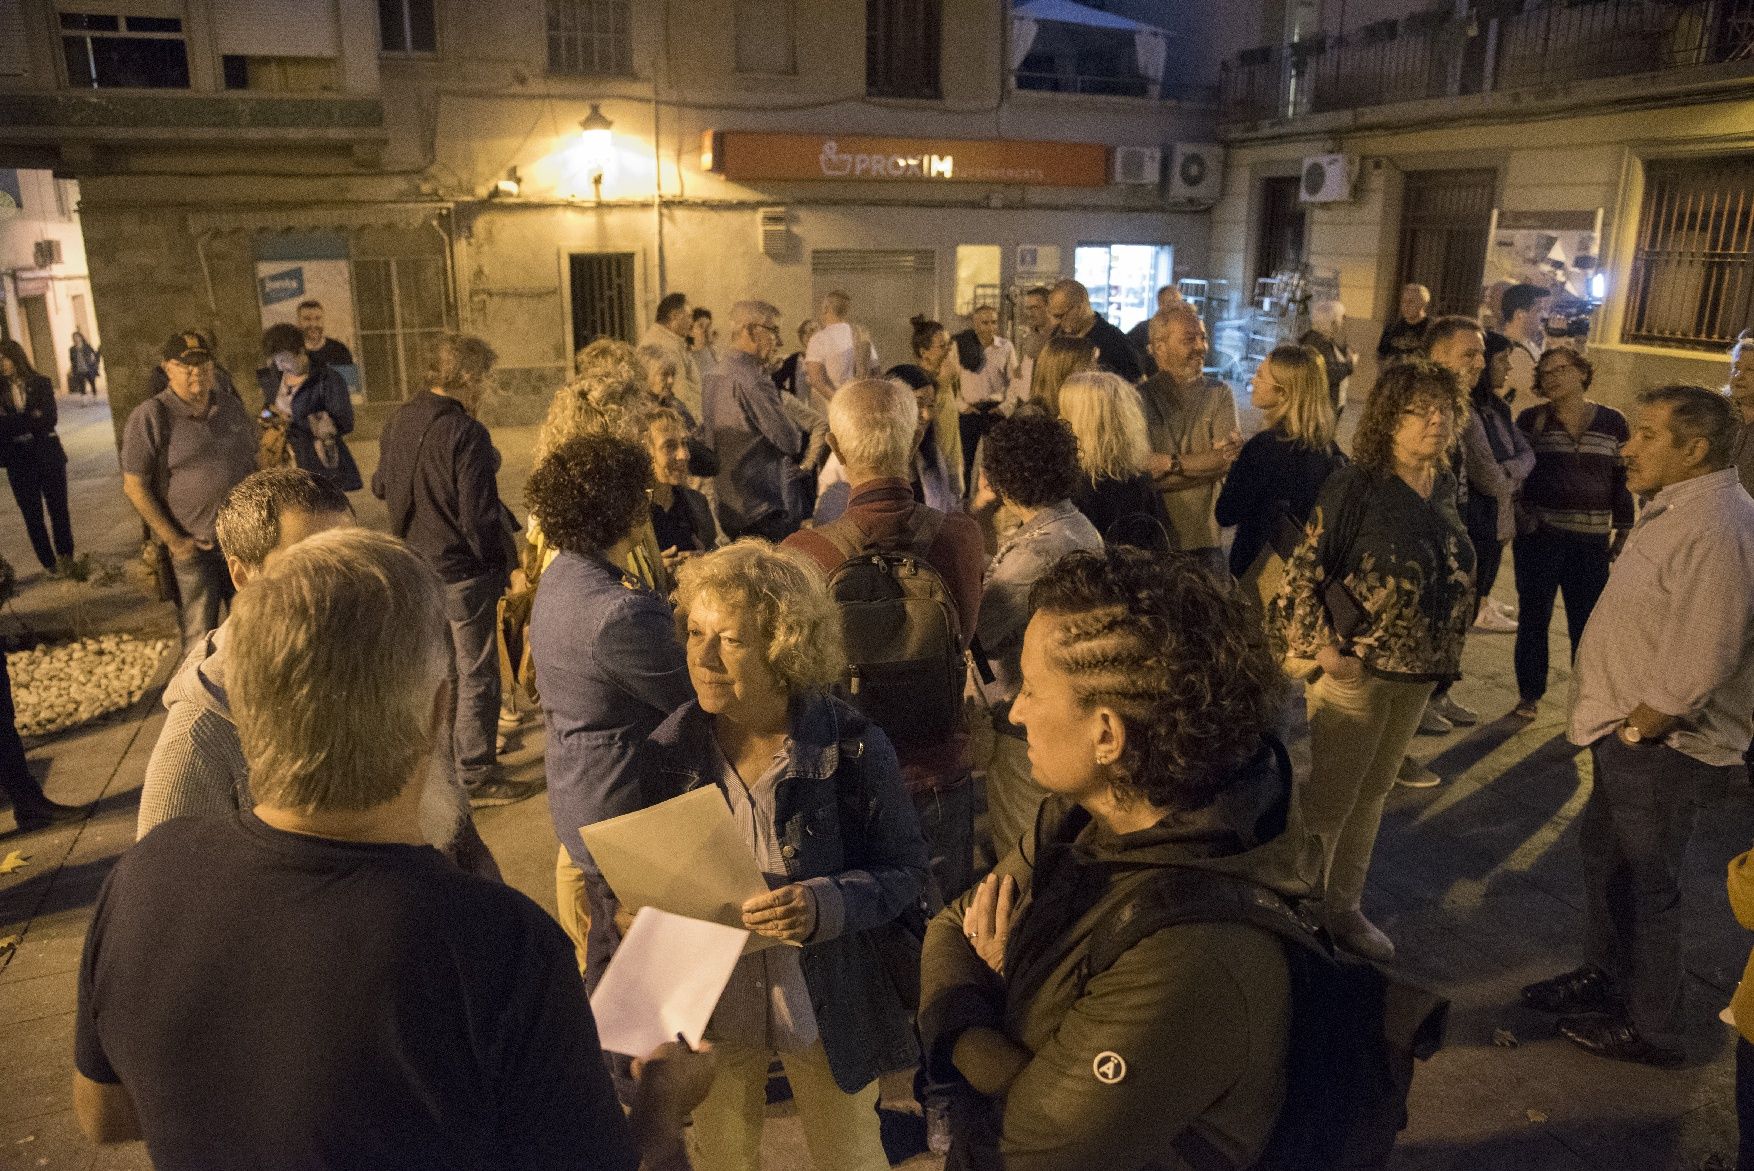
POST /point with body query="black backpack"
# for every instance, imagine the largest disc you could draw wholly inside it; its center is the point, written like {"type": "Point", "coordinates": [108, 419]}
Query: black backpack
{"type": "Point", "coordinates": [903, 634]}
{"type": "Point", "coordinates": [1356, 1029]}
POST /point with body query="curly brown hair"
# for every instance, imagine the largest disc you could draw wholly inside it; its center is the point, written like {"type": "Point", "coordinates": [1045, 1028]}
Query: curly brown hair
{"type": "Point", "coordinates": [587, 493]}
{"type": "Point", "coordinates": [1180, 657]}
{"type": "Point", "coordinates": [1404, 386]}
{"type": "Point", "coordinates": [1031, 459]}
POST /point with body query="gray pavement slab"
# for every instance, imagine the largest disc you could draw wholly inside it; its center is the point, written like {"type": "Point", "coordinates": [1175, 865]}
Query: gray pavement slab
{"type": "Point", "coordinates": [1477, 880]}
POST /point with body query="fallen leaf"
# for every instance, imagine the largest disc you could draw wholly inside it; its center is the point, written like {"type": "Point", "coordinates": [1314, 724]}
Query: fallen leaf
{"type": "Point", "coordinates": [1537, 1116]}
{"type": "Point", "coordinates": [1504, 1038]}
{"type": "Point", "coordinates": [8, 942]}
{"type": "Point", "coordinates": [13, 862]}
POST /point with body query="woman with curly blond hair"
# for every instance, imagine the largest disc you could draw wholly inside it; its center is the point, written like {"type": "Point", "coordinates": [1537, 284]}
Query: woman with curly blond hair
{"type": "Point", "coordinates": [1114, 491]}
{"type": "Point", "coordinates": [817, 795]}
{"type": "Point", "coordinates": [1380, 596]}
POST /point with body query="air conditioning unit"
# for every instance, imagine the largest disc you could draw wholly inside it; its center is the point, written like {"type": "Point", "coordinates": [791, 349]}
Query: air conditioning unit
{"type": "Point", "coordinates": [1196, 172]}
{"type": "Point", "coordinates": [1138, 165]}
{"type": "Point", "coordinates": [1038, 260]}
{"type": "Point", "coordinates": [1328, 178]}
{"type": "Point", "coordinates": [772, 226]}
{"type": "Point", "coordinates": [48, 252]}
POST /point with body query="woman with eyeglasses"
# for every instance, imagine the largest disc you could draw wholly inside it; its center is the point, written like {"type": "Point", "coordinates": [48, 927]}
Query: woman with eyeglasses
{"type": "Point", "coordinates": [1379, 596]}
{"type": "Point", "coordinates": [1575, 512]}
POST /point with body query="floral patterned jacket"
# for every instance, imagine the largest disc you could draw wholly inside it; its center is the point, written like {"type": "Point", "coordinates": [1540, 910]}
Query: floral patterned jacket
{"type": "Point", "coordinates": [1405, 560]}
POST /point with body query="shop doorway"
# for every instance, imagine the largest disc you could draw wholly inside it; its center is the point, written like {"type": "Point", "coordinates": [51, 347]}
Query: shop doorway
{"type": "Point", "coordinates": [1123, 279]}
{"type": "Point", "coordinates": [1445, 219]}
{"type": "Point", "coordinates": [1280, 233]}
{"type": "Point", "coordinates": [888, 287]}
{"type": "Point", "coordinates": [35, 311]}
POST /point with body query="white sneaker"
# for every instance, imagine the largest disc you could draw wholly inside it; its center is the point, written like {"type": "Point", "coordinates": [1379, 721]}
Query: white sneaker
{"type": "Point", "coordinates": [1504, 608]}
{"type": "Point", "coordinates": [1433, 723]}
{"type": "Point", "coordinates": [1492, 620]}
{"type": "Point", "coordinates": [1413, 775]}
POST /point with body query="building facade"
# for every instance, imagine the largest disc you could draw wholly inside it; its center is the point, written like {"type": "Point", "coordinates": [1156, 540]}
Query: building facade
{"type": "Point", "coordinates": [1604, 147]}
{"type": "Point", "coordinates": [540, 172]}
{"type": "Point", "coordinates": [44, 292]}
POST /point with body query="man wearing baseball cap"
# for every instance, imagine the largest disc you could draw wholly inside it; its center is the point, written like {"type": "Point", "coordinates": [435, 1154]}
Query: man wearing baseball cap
{"type": "Point", "coordinates": [182, 450]}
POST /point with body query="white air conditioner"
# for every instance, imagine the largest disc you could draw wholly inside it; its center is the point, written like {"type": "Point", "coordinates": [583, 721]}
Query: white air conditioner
{"type": "Point", "coordinates": [1138, 165]}
{"type": "Point", "coordinates": [772, 227]}
{"type": "Point", "coordinates": [1328, 178]}
{"type": "Point", "coordinates": [1196, 172]}
{"type": "Point", "coordinates": [48, 252]}
{"type": "Point", "coordinates": [1038, 259]}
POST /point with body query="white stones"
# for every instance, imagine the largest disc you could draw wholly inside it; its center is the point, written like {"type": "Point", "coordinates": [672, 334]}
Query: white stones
{"type": "Point", "coordinates": [61, 686]}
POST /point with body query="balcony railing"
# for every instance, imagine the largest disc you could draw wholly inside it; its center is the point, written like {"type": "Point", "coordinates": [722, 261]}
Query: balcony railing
{"type": "Point", "coordinates": [1495, 48]}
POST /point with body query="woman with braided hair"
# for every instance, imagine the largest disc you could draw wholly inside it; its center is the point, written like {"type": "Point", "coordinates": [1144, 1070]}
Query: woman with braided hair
{"type": "Point", "coordinates": [1148, 692]}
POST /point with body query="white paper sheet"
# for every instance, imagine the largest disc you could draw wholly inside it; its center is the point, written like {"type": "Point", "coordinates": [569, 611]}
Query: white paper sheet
{"type": "Point", "coordinates": [665, 979]}
{"type": "Point", "coordinates": [684, 856]}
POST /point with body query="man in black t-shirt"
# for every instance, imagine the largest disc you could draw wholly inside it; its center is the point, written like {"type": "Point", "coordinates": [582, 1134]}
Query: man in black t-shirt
{"type": "Point", "coordinates": [322, 349]}
{"type": "Point", "coordinates": [308, 985]}
{"type": "Point", "coordinates": [1404, 337]}
{"type": "Point", "coordinates": [1069, 307]}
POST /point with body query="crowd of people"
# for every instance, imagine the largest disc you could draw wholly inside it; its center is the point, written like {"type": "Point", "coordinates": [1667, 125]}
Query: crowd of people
{"type": "Point", "coordinates": [993, 639]}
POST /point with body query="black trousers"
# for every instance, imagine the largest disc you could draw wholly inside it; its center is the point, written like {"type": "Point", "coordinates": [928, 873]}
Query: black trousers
{"type": "Point", "coordinates": [39, 482]}
{"type": "Point", "coordinates": [974, 426]}
{"type": "Point", "coordinates": [1549, 562]}
{"type": "Point", "coordinates": [15, 780]}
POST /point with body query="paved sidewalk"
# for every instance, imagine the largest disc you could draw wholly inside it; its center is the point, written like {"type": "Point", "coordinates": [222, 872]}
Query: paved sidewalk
{"type": "Point", "coordinates": [1476, 880]}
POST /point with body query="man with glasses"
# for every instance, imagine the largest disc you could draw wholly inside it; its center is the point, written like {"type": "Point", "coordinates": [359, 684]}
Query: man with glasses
{"type": "Point", "coordinates": [768, 450]}
{"type": "Point", "coordinates": [183, 449]}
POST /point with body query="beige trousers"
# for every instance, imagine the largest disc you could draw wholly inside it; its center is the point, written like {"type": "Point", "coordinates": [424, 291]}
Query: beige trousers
{"type": "Point", "coordinates": [840, 1129]}
{"type": "Point", "coordinates": [570, 906]}
{"type": "Point", "coordinates": [1358, 733]}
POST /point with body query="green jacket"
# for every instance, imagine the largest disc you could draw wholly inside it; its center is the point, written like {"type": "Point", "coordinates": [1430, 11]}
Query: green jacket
{"type": "Point", "coordinates": [1198, 1014]}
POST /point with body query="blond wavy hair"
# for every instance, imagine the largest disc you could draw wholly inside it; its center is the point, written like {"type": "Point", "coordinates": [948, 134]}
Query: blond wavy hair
{"type": "Point", "coordinates": [1104, 414]}
{"type": "Point", "coordinates": [1308, 414]}
{"type": "Point", "coordinates": [608, 396]}
{"type": "Point", "coordinates": [340, 646]}
{"type": "Point", "coordinates": [1060, 358]}
{"type": "Point", "coordinates": [798, 624]}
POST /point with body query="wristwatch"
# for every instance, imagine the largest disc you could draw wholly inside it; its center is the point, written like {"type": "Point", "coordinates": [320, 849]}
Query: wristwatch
{"type": "Point", "coordinates": [1175, 464]}
{"type": "Point", "coordinates": [1629, 732]}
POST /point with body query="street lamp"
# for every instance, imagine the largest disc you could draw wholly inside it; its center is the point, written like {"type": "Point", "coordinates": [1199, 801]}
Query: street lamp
{"type": "Point", "coordinates": [598, 146]}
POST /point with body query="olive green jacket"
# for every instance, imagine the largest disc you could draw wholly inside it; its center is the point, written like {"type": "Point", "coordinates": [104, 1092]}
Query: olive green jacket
{"type": "Point", "coordinates": [1197, 1015]}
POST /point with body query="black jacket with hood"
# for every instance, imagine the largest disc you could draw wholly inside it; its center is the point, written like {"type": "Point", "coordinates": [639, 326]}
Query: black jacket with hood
{"type": "Point", "coordinates": [436, 468]}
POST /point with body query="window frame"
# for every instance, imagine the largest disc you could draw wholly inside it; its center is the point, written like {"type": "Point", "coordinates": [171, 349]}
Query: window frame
{"type": "Point", "coordinates": [620, 11]}
{"type": "Point", "coordinates": [1667, 196]}
{"type": "Point", "coordinates": [122, 31]}
{"type": "Point", "coordinates": [883, 15]}
{"type": "Point", "coordinates": [402, 7]}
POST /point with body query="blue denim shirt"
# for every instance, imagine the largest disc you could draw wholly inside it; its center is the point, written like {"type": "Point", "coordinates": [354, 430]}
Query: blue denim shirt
{"type": "Point", "coordinates": [848, 831]}
{"type": "Point", "coordinates": [1028, 553]}
{"type": "Point", "coordinates": [757, 443]}
{"type": "Point", "coordinates": [610, 670]}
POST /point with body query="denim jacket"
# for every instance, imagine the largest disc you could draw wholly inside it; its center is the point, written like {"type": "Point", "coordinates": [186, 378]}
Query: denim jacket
{"type": "Point", "coordinates": [849, 833]}
{"type": "Point", "coordinates": [1028, 553]}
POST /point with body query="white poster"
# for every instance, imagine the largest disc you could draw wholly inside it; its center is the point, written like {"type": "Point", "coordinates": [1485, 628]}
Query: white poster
{"type": "Point", "coordinates": [282, 285]}
{"type": "Point", "coordinates": [1556, 250]}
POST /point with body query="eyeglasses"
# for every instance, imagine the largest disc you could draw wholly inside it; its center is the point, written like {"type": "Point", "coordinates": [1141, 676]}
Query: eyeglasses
{"type": "Point", "coordinates": [1429, 413]}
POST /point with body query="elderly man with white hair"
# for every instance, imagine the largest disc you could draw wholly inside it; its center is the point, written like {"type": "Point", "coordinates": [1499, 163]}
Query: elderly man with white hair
{"type": "Point", "coordinates": [1326, 335]}
{"type": "Point", "coordinates": [768, 450]}
{"type": "Point", "coordinates": [330, 992]}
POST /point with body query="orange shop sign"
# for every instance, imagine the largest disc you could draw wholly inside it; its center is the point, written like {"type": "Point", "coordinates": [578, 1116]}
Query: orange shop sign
{"type": "Point", "coordinates": [857, 158]}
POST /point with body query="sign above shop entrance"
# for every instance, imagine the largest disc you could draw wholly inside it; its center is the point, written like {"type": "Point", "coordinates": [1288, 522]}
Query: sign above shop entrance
{"type": "Point", "coordinates": [857, 158]}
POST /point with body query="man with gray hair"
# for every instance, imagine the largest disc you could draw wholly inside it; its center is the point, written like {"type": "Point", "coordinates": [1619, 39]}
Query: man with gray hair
{"type": "Point", "coordinates": [1404, 337]}
{"type": "Point", "coordinates": [873, 429]}
{"type": "Point", "coordinates": [767, 459]}
{"type": "Point", "coordinates": [327, 991]}
{"type": "Point", "coordinates": [1664, 688]}
{"type": "Point", "coordinates": [1191, 419]}
{"type": "Point", "coordinates": [197, 768]}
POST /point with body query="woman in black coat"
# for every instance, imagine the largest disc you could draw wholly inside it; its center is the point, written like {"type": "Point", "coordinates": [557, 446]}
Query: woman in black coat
{"type": "Point", "coordinates": [36, 464]}
{"type": "Point", "coordinates": [313, 404]}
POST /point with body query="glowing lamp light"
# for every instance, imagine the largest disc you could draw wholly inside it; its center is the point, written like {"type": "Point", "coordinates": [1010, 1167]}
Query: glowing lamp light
{"type": "Point", "coordinates": [1598, 286]}
{"type": "Point", "coordinates": [597, 146]}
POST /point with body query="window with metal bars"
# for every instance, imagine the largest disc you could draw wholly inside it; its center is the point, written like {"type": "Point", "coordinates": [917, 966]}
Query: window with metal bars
{"type": "Point", "coordinates": [602, 296]}
{"type": "Point", "coordinates": [1692, 282]}
{"type": "Point", "coordinates": [902, 39]}
{"type": "Point", "coordinates": [590, 36]}
{"type": "Point", "coordinates": [1445, 219]}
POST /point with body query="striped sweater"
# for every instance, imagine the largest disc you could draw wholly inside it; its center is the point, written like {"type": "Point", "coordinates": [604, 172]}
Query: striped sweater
{"type": "Point", "coordinates": [1578, 485]}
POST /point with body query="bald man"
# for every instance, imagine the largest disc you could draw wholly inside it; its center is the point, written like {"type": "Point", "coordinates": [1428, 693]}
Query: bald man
{"type": "Point", "coordinates": [1069, 308]}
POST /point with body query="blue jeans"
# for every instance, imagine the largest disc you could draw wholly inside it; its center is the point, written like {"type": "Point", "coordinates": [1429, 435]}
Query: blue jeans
{"type": "Point", "coordinates": [471, 607]}
{"type": "Point", "coordinates": [1633, 834]}
{"type": "Point", "coordinates": [204, 585]}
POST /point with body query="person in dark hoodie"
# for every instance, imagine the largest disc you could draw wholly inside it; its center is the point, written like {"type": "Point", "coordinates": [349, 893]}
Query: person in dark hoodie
{"type": "Point", "coordinates": [436, 469]}
{"type": "Point", "coordinates": [197, 768]}
{"type": "Point", "coordinates": [1148, 693]}
{"type": "Point", "coordinates": [309, 402]}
